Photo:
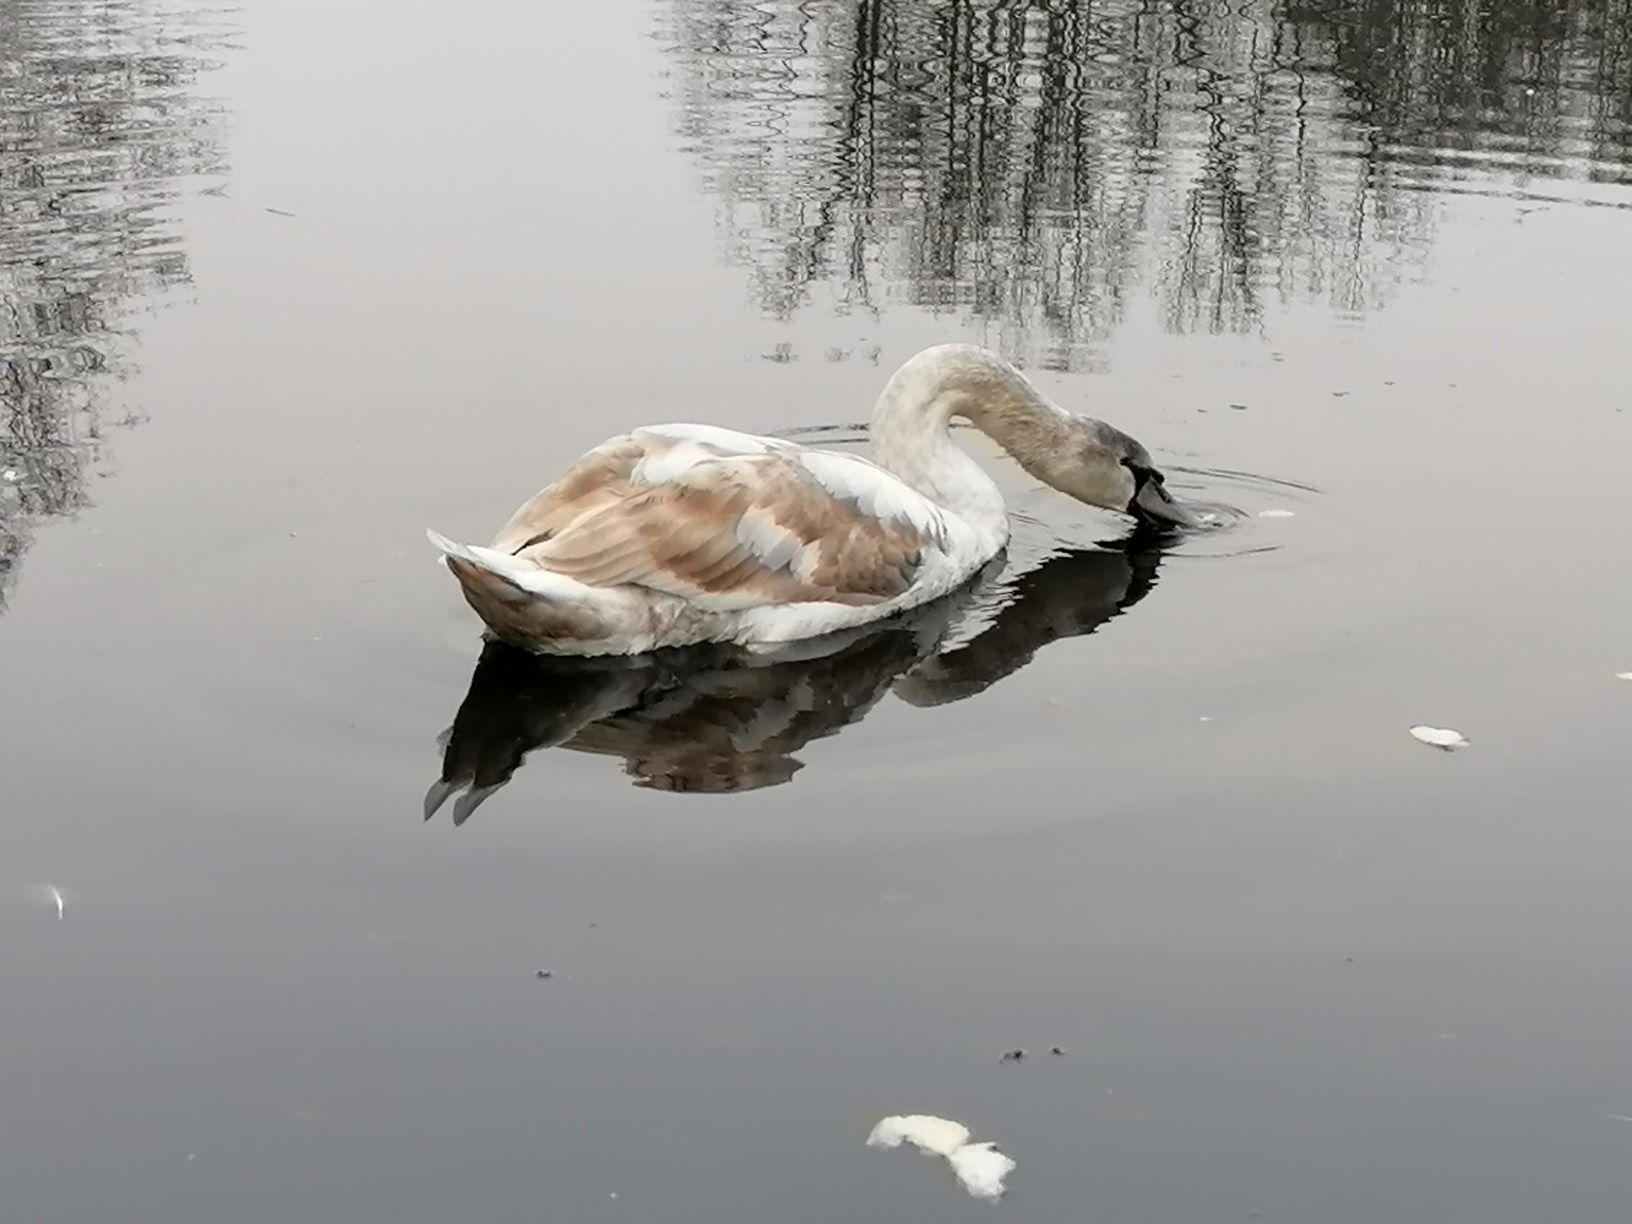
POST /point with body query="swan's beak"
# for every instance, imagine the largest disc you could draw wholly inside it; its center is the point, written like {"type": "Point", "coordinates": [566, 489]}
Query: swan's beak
{"type": "Point", "coordinates": [1154, 505]}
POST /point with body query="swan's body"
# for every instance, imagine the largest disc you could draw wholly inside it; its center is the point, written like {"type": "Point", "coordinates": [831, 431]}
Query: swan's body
{"type": "Point", "coordinates": [675, 535]}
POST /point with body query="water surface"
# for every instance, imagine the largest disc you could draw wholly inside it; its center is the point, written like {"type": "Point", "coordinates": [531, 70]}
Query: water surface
{"type": "Point", "coordinates": [282, 284]}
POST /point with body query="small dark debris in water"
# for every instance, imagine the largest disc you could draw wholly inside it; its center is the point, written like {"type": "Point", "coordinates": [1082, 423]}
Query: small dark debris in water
{"type": "Point", "coordinates": [1348, 960]}
{"type": "Point", "coordinates": [1014, 1055]}
{"type": "Point", "coordinates": [280, 212]}
{"type": "Point", "coordinates": [1056, 1049]}
{"type": "Point", "coordinates": [1239, 407]}
{"type": "Point", "coordinates": [1339, 394]}
{"type": "Point", "coordinates": [544, 973]}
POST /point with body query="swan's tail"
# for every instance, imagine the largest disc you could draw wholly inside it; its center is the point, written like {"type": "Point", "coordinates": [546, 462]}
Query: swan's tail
{"type": "Point", "coordinates": [521, 602]}
{"type": "Point", "coordinates": [484, 568]}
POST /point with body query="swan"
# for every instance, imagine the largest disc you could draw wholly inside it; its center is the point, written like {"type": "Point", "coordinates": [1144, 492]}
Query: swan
{"type": "Point", "coordinates": [676, 535]}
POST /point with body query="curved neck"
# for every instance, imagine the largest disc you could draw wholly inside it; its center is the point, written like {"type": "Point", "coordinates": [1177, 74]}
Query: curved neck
{"type": "Point", "coordinates": [911, 438]}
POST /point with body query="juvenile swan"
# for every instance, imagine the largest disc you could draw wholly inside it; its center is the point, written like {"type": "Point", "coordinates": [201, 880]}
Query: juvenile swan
{"type": "Point", "coordinates": [678, 534]}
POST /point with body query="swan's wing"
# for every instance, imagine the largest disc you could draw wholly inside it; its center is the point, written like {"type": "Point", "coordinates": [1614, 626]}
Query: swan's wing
{"type": "Point", "coordinates": [608, 474]}
{"type": "Point", "coordinates": [729, 532]}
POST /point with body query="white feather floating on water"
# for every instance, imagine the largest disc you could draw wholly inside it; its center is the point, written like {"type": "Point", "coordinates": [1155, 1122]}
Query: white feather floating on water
{"type": "Point", "coordinates": [927, 1133]}
{"type": "Point", "coordinates": [1440, 737]}
{"type": "Point", "coordinates": [46, 894]}
{"type": "Point", "coordinates": [981, 1167]}
{"type": "Point", "coordinates": [1276, 513]}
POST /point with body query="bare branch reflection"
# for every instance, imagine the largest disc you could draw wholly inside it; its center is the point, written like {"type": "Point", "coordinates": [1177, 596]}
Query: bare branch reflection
{"type": "Point", "coordinates": [100, 130]}
{"type": "Point", "coordinates": [719, 720]}
{"type": "Point", "coordinates": [1049, 165]}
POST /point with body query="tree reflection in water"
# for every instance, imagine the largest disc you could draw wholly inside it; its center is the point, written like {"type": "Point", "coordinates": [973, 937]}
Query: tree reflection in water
{"type": "Point", "coordinates": [1048, 166]}
{"type": "Point", "coordinates": [100, 130]}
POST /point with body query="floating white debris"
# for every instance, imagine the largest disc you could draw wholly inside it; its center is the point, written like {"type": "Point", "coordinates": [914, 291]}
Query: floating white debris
{"type": "Point", "coordinates": [1440, 737]}
{"type": "Point", "coordinates": [1623, 675]}
{"type": "Point", "coordinates": [9, 475]}
{"type": "Point", "coordinates": [979, 1166]}
{"type": "Point", "coordinates": [48, 894]}
{"type": "Point", "coordinates": [927, 1133]}
{"type": "Point", "coordinates": [1276, 513]}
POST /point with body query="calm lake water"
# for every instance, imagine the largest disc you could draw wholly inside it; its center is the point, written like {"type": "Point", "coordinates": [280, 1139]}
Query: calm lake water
{"type": "Point", "coordinates": [284, 283]}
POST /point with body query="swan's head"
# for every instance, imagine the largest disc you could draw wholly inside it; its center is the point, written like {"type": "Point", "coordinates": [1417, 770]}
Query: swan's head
{"type": "Point", "coordinates": [1081, 457]}
{"type": "Point", "coordinates": [1101, 465]}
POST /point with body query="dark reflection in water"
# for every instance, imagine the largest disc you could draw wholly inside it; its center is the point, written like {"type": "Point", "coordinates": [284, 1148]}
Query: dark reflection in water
{"type": "Point", "coordinates": [1046, 164]}
{"type": "Point", "coordinates": [100, 130]}
{"type": "Point", "coordinates": [716, 720]}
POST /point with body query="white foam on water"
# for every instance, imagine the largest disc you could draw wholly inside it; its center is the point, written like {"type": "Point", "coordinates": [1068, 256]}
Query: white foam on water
{"type": "Point", "coordinates": [1440, 737]}
{"type": "Point", "coordinates": [981, 1167]}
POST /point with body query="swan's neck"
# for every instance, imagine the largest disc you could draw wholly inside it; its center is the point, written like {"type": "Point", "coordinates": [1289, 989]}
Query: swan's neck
{"type": "Point", "coordinates": [911, 429]}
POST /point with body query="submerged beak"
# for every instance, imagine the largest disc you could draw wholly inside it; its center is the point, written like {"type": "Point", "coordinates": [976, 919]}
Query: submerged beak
{"type": "Point", "coordinates": [1153, 504]}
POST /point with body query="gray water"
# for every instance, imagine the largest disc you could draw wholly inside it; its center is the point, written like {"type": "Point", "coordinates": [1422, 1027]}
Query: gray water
{"type": "Point", "coordinates": [281, 284]}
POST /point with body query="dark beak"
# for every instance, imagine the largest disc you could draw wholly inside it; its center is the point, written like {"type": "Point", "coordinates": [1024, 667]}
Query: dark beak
{"type": "Point", "coordinates": [1153, 504]}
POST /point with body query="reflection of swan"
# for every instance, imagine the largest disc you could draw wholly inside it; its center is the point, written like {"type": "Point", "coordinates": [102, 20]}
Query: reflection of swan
{"type": "Point", "coordinates": [725, 719]}
{"type": "Point", "coordinates": [1069, 595]}
{"type": "Point", "coordinates": [676, 535]}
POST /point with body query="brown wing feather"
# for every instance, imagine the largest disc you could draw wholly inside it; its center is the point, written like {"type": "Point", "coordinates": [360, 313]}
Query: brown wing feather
{"type": "Point", "coordinates": [685, 537]}
{"type": "Point", "coordinates": [599, 479]}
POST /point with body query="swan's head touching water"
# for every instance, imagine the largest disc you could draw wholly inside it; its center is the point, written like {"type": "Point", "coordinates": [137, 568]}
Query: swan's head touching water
{"type": "Point", "coordinates": [673, 535]}
{"type": "Point", "coordinates": [1080, 456]}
